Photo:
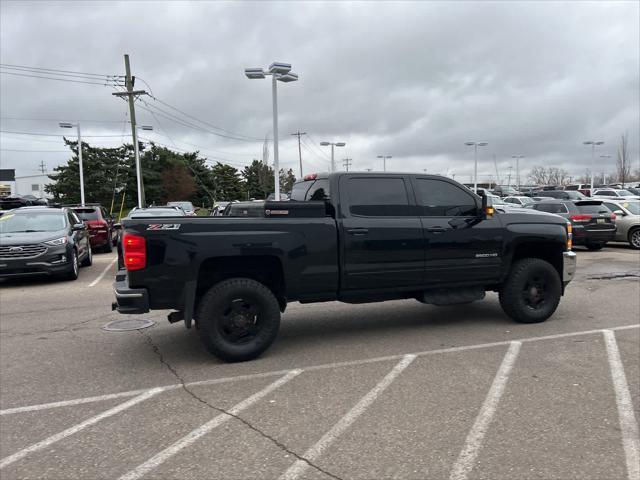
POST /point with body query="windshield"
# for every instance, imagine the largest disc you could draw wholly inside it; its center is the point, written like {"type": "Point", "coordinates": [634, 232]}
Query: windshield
{"type": "Point", "coordinates": [31, 222]}
{"type": "Point", "coordinates": [86, 213]}
{"type": "Point", "coordinates": [526, 200]}
{"type": "Point", "coordinates": [633, 207]}
{"type": "Point", "coordinates": [625, 193]}
{"type": "Point", "coordinates": [182, 205]}
{"type": "Point", "coordinates": [157, 212]}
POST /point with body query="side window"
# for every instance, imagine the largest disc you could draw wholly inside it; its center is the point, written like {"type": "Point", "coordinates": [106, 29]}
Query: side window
{"type": "Point", "coordinates": [378, 197]}
{"type": "Point", "coordinates": [72, 218]}
{"type": "Point", "coordinates": [442, 199]}
{"type": "Point", "coordinates": [319, 190]}
{"type": "Point", "coordinates": [299, 190]}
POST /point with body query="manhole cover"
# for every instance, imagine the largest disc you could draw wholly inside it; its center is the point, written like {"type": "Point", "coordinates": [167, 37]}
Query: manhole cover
{"type": "Point", "coordinates": [126, 325]}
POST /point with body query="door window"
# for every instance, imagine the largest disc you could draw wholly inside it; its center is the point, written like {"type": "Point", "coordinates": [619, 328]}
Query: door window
{"type": "Point", "coordinates": [378, 197]}
{"type": "Point", "coordinates": [319, 190]}
{"type": "Point", "coordinates": [443, 199]}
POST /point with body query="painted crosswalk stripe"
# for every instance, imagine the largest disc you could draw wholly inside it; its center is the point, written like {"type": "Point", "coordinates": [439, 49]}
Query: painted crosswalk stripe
{"type": "Point", "coordinates": [202, 430]}
{"type": "Point", "coordinates": [466, 459]}
{"type": "Point", "coordinates": [76, 428]}
{"type": "Point", "coordinates": [626, 415]}
{"type": "Point", "coordinates": [299, 467]}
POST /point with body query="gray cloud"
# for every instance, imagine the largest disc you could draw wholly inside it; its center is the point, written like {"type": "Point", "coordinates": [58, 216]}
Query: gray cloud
{"type": "Point", "coordinates": [413, 80]}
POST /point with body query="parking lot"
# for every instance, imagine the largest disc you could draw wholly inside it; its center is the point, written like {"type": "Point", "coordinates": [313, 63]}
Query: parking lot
{"type": "Point", "coordinates": [393, 390]}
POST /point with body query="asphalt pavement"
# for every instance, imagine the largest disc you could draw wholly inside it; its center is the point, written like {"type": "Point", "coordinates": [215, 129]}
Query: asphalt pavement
{"type": "Point", "coordinates": [394, 390]}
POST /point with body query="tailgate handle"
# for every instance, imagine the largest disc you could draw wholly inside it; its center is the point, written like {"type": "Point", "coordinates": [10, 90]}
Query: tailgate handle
{"type": "Point", "coordinates": [436, 229]}
{"type": "Point", "coordinates": [358, 231]}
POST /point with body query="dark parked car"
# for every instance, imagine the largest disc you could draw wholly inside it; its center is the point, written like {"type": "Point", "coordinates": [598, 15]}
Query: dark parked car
{"type": "Point", "coordinates": [564, 194]}
{"type": "Point", "coordinates": [100, 224]}
{"type": "Point", "coordinates": [43, 241]}
{"type": "Point", "coordinates": [593, 223]}
{"type": "Point", "coordinates": [17, 201]}
{"type": "Point", "coordinates": [348, 236]}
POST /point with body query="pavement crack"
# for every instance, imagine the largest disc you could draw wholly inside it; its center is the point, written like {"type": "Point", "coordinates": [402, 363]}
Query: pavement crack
{"type": "Point", "coordinates": [185, 387]}
{"type": "Point", "coordinates": [611, 276]}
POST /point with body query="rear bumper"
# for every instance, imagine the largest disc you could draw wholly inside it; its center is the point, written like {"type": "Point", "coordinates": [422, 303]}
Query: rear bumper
{"type": "Point", "coordinates": [582, 236]}
{"type": "Point", "coordinates": [569, 263]}
{"type": "Point", "coordinates": [129, 300]}
{"type": "Point", "coordinates": [98, 239]}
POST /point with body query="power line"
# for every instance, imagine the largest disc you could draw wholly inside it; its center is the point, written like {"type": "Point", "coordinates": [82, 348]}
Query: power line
{"type": "Point", "coordinates": [55, 70]}
{"type": "Point", "coordinates": [59, 79]}
{"type": "Point", "coordinates": [54, 135]}
{"type": "Point", "coordinates": [207, 123]}
{"type": "Point", "coordinates": [74, 75]}
{"type": "Point", "coordinates": [33, 151]}
{"type": "Point", "coordinates": [28, 119]}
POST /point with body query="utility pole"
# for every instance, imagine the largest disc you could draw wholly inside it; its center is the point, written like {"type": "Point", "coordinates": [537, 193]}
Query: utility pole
{"type": "Point", "coordinates": [298, 134]}
{"type": "Point", "coordinates": [42, 167]}
{"type": "Point", "coordinates": [347, 163]}
{"type": "Point", "coordinates": [131, 95]}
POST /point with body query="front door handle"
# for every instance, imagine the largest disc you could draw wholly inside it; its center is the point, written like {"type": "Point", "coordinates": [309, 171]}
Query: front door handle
{"type": "Point", "coordinates": [436, 230]}
{"type": "Point", "coordinates": [358, 231]}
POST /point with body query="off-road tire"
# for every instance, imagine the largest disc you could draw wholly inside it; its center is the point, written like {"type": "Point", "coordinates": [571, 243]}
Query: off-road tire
{"type": "Point", "coordinates": [213, 318]}
{"type": "Point", "coordinates": [634, 238]}
{"type": "Point", "coordinates": [595, 246]}
{"type": "Point", "coordinates": [88, 260]}
{"type": "Point", "coordinates": [514, 294]}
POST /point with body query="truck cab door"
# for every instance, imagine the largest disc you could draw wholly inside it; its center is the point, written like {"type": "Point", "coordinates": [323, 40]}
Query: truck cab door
{"type": "Point", "coordinates": [381, 236]}
{"type": "Point", "coordinates": [461, 243]}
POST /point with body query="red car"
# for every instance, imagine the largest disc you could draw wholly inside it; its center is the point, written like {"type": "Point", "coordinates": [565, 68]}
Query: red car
{"type": "Point", "coordinates": [100, 225]}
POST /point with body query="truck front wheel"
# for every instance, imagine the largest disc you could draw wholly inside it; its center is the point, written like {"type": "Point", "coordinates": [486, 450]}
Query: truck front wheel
{"type": "Point", "coordinates": [238, 319]}
{"type": "Point", "coordinates": [531, 292]}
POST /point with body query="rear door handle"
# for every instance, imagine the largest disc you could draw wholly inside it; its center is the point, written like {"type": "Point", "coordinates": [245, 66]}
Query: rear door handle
{"type": "Point", "coordinates": [436, 229]}
{"type": "Point", "coordinates": [358, 231]}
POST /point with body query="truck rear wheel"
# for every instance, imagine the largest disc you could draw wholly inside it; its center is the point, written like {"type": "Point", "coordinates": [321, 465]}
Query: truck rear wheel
{"type": "Point", "coordinates": [238, 319]}
{"type": "Point", "coordinates": [531, 292]}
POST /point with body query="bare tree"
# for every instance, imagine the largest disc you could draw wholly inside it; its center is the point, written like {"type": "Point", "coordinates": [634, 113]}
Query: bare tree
{"type": "Point", "coordinates": [539, 175]}
{"type": "Point", "coordinates": [623, 163]}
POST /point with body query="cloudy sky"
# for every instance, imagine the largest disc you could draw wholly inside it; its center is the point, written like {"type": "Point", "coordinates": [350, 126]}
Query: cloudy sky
{"type": "Point", "coordinates": [413, 80]}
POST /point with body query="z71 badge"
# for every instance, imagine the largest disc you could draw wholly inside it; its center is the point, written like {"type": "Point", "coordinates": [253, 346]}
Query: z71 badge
{"type": "Point", "coordinates": [163, 226]}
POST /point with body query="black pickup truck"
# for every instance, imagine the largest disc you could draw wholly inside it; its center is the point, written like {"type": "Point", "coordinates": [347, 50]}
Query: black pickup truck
{"type": "Point", "coordinates": [352, 237]}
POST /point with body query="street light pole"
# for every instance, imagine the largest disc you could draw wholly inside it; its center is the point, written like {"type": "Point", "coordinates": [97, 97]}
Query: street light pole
{"type": "Point", "coordinates": [333, 144]}
{"type": "Point", "coordinates": [517, 157]}
{"type": "Point", "coordinates": [279, 72]}
{"type": "Point", "coordinates": [605, 156]}
{"type": "Point", "coordinates": [276, 158]}
{"type": "Point", "coordinates": [593, 144]}
{"type": "Point", "coordinates": [475, 164]}
{"type": "Point", "coordinates": [384, 161]}
{"type": "Point", "coordinates": [80, 166]}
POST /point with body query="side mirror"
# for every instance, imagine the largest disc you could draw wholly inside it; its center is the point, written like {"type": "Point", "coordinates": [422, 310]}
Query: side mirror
{"type": "Point", "coordinates": [78, 227]}
{"type": "Point", "coordinates": [117, 226]}
{"type": "Point", "coordinates": [619, 213]}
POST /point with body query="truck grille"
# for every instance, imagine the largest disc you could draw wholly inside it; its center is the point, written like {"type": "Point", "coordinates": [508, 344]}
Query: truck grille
{"type": "Point", "coordinates": [9, 252]}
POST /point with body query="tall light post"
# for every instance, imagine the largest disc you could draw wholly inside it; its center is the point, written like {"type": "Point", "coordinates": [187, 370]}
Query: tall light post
{"type": "Point", "coordinates": [517, 157]}
{"type": "Point", "coordinates": [333, 144]}
{"type": "Point", "coordinates": [475, 146]}
{"type": "Point", "coordinates": [593, 144]}
{"type": "Point", "coordinates": [384, 161]}
{"type": "Point", "coordinates": [71, 125]}
{"type": "Point", "coordinates": [279, 72]}
{"type": "Point", "coordinates": [605, 156]}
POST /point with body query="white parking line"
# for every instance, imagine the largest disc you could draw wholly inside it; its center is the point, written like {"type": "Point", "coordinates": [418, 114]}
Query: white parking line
{"type": "Point", "coordinates": [76, 428]}
{"type": "Point", "coordinates": [299, 467]}
{"type": "Point", "coordinates": [466, 459]}
{"type": "Point", "coordinates": [104, 272]}
{"type": "Point", "coordinates": [626, 416]}
{"type": "Point", "coordinates": [324, 366]}
{"type": "Point", "coordinates": [202, 430]}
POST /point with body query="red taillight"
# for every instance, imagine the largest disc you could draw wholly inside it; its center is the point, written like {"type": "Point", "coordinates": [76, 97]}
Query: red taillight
{"type": "Point", "coordinates": [613, 216]}
{"type": "Point", "coordinates": [97, 224]}
{"type": "Point", "coordinates": [311, 176]}
{"type": "Point", "coordinates": [134, 251]}
{"type": "Point", "coordinates": [581, 218]}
